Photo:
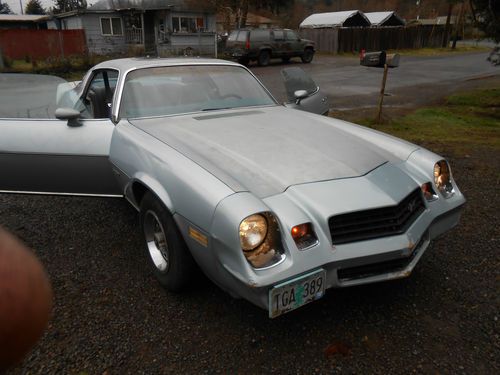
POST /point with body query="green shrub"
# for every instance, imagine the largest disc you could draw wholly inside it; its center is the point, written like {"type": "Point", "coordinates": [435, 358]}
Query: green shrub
{"type": "Point", "coordinates": [7, 61]}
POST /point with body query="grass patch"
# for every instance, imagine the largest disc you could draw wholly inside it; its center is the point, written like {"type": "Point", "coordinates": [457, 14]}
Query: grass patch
{"type": "Point", "coordinates": [70, 68]}
{"type": "Point", "coordinates": [439, 51]}
{"type": "Point", "coordinates": [464, 120]}
{"type": "Point", "coordinates": [421, 51]}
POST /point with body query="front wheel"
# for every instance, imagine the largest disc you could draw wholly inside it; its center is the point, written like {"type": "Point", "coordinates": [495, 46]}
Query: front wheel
{"type": "Point", "coordinates": [172, 262]}
{"type": "Point", "coordinates": [307, 56]}
{"type": "Point", "coordinates": [264, 58]}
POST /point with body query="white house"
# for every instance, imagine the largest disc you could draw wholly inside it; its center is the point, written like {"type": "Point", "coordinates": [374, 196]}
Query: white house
{"type": "Point", "coordinates": [160, 27]}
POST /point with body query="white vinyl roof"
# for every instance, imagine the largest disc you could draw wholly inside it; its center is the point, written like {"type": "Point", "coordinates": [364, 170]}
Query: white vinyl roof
{"type": "Point", "coordinates": [378, 18]}
{"type": "Point", "coordinates": [331, 19]}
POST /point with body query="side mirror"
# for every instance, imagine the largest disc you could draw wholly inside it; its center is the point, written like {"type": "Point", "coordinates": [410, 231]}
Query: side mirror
{"type": "Point", "coordinates": [299, 95]}
{"type": "Point", "coordinates": [69, 114]}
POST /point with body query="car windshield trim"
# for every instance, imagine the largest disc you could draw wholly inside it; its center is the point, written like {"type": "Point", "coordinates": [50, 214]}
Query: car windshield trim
{"type": "Point", "coordinates": [214, 76]}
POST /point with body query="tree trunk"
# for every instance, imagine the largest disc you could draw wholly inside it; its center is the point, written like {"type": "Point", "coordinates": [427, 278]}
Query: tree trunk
{"type": "Point", "coordinates": [458, 23]}
{"type": "Point", "coordinates": [244, 13]}
{"type": "Point", "coordinates": [447, 27]}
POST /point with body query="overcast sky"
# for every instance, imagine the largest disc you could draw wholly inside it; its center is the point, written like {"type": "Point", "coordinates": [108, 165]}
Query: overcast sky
{"type": "Point", "coordinates": [16, 7]}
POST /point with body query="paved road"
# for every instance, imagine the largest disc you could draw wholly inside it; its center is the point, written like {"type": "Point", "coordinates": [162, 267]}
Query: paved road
{"type": "Point", "coordinates": [417, 80]}
{"type": "Point", "coordinates": [28, 95]}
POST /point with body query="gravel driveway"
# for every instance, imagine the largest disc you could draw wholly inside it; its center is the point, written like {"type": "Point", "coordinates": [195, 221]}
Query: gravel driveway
{"type": "Point", "coordinates": [111, 316]}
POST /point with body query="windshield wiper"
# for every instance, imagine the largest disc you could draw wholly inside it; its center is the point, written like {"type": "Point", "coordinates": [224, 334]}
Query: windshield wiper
{"type": "Point", "coordinates": [215, 108]}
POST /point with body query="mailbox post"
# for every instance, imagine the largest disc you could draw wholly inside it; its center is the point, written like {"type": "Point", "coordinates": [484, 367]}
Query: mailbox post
{"type": "Point", "coordinates": [382, 94]}
{"type": "Point", "coordinates": [380, 59]}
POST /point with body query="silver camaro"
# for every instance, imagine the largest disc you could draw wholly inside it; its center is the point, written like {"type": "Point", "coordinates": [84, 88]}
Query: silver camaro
{"type": "Point", "coordinates": [274, 204]}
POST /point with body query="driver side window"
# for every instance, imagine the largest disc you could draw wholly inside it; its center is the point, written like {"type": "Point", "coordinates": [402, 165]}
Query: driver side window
{"type": "Point", "coordinates": [98, 97]}
{"type": "Point", "coordinates": [291, 36]}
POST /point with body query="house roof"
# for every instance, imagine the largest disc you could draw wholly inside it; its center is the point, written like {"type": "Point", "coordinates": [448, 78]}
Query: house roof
{"type": "Point", "coordinates": [441, 20]}
{"type": "Point", "coordinates": [111, 5]}
{"type": "Point", "coordinates": [379, 18]}
{"type": "Point", "coordinates": [252, 19]}
{"type": "Point", "coordinates": [22, 18]}
{"type": "Point", "coordinates": [257, 19]}
{"type": "Point", "coordinates": [335, 19]}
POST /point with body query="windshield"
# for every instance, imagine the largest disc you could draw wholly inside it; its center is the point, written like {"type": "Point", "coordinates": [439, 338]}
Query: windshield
{"type": "Point", "coordinates": [184, 89]}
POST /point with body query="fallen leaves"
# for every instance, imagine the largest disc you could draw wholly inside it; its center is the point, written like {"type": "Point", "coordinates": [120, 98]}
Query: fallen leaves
{"type": "Point", "coordinates": [338, 347]}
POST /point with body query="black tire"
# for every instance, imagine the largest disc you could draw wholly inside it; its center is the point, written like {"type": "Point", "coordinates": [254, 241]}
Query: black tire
{"type": "Point", "coordinates": [307, 56]}
{"type": "Point", "coordinates": [159, 229]}
{"type": "Point", "coordinates": [264, 58]}
{"type": "Point", "coordinates": [286, 59]}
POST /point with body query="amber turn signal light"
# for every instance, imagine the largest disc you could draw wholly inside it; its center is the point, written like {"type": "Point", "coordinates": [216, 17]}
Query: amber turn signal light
{"type": "Point", "coordinates": [429, 192]}
{"type": "Point", "coordinates": [304, 236]}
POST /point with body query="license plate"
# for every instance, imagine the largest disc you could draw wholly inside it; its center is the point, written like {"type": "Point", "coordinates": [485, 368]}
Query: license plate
{"type": "Point", "coordinates": [295, 293]}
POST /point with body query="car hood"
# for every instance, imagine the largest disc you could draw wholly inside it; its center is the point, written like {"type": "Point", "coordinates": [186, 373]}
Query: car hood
{"type": "Point", "coordinates": [268, 149]}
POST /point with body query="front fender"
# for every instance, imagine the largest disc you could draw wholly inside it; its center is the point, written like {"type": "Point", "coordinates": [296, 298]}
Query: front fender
{"type": "Point", "coordinates": [152, 185]}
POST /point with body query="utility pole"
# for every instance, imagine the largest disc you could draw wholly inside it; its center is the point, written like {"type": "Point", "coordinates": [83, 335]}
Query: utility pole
{"type": "Point", "coordinates": [21, 5]}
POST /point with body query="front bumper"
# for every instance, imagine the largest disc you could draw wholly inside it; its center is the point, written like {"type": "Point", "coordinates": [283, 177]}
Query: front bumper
{"type": "Point", "coordinates": [347, 264]}
{"type": "Point", "coordinates": [388, 265]}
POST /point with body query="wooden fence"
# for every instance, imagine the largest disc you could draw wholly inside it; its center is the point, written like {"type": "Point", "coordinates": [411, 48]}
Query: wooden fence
{"type": "Point", "coordinates": [41, 44]}
{"type": "Point", "coordinates": [374, 39]}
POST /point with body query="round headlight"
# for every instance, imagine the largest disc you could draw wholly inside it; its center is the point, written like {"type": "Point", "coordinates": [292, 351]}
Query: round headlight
{"type": "Point", "coordinates": [253, 231]}
{"type": "Point", "coordinates": [442, 178]}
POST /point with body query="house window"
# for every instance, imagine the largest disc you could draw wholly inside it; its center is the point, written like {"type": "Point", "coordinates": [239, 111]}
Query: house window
{"type": "Point", "coordinates": [111, 26]}
{"type": "Point", "coordinates": [187, 24]}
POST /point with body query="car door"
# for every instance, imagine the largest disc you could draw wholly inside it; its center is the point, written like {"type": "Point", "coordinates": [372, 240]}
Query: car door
{"type": "Point", "coordinates": [311, 99]}
{"type": "Point", "coordinates": [293, 43]}
{"type": "Point", "coordinates": [57, 156]}
{"type": "Point", "coordinates": [279, 42]}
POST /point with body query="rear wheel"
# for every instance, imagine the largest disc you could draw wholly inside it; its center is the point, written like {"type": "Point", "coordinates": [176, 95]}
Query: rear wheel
{"type": "Point", "coordinates": [264, 58]}
{"type": "Point", "coordinates": [172, 263]}
{"type": "Point", "coordinates": [307, 56]}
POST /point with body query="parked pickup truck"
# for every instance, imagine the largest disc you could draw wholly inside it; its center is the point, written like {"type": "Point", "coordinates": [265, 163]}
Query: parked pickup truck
{"type": "Point", "coordinates": [261, 45]}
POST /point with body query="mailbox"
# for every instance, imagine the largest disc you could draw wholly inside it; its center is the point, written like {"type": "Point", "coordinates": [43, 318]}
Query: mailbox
{"type": "Point", "coordinates": [373, 58]}
{"type": "Point", "coordinates": [379, 59]}
{"type": "Point", "coordinates": [392, 60]}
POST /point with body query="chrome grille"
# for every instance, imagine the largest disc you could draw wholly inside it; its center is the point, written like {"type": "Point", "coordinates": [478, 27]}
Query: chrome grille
{"type": "Point", "coordinates": [378, 222]}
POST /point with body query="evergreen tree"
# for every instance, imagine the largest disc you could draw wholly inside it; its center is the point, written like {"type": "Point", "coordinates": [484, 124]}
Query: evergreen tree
{"type": "Point", "coordinates": [5, 8]}
{"type": "Point", "coordinates": [61, 6]}
{"type": "Point", "coordinates": [34, 7]}
{"type": "Point", "coordinates": [487, 16]}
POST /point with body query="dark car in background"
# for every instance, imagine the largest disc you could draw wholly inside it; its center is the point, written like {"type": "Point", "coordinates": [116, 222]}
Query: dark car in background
{"type": "Point", "coordinates": [261, 45]}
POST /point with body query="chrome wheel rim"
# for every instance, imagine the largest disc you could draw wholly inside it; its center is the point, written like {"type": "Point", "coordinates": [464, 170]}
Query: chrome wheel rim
{"type": "Point", "coordinates": [156, 241]}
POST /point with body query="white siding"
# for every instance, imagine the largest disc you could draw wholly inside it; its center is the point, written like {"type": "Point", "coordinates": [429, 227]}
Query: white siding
{"type": "Point", "coordinates": [71, 23]}
{"type": "Point", "coordinates": [185, 43]}
{"type": "Point", "coordinates": [102, 44]}
{"type": "Point", "coordinates": [51, 25]}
